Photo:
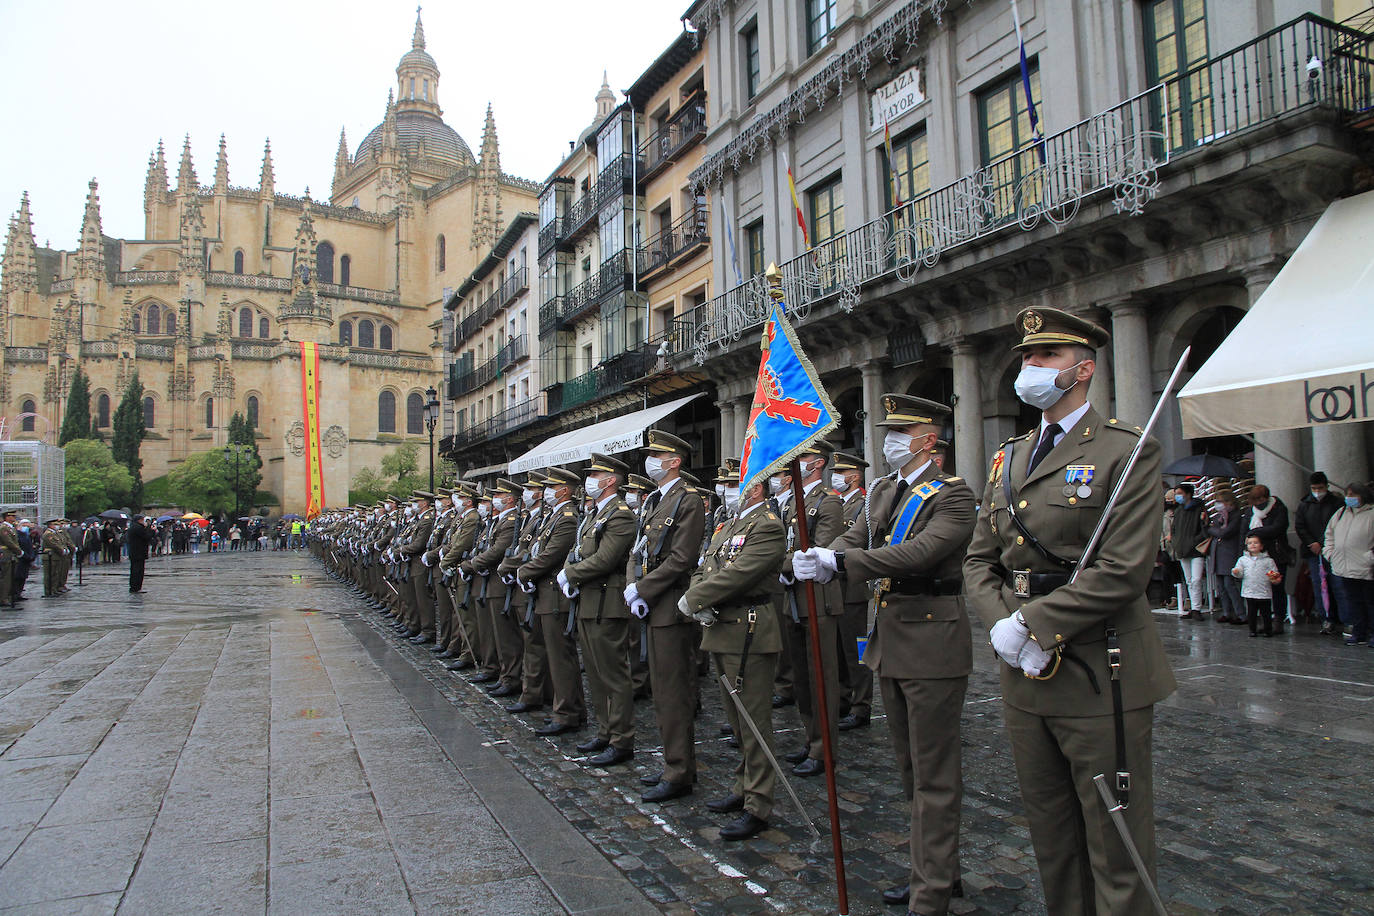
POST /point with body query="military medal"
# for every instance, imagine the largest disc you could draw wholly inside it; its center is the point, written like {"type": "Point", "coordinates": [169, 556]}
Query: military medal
{"type": "Point", "coordinates": [995, 475]}
{"type": "Point", "coordinates": [1078, 479]}
{"type": "Point", "coordinates": [1070, 489]}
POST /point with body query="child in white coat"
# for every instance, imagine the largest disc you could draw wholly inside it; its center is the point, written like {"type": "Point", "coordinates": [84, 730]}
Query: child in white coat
{"type": "Point", "coordinates": [1257, 572]}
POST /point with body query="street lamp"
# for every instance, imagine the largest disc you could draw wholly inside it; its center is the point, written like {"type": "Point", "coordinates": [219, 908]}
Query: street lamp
{"type": "Point", "coordinates": [431, 419]}
{"type": "Point", "coordinates": [234, 450]}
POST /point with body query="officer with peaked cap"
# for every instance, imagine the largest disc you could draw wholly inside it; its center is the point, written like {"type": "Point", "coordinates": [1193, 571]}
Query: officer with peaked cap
{"type": "Point", "coordinates": [637, 489]}
{"type": "Point", "coordinates": [856, 680]}
{"type": "Point", "coordinates": [908, 543]}
{"type": "Point", "coordinates": [1081, 663]}
{"type": "Point", "coordinates": [421, 621]}
{"type": "Point", "coordinates": [535, 689]}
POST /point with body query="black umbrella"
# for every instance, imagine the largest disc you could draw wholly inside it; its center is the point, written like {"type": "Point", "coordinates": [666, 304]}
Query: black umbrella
{"type": "Point", "coordinates": [1203, 466]}
{"type": "Point", "coordinates": [114, 515]}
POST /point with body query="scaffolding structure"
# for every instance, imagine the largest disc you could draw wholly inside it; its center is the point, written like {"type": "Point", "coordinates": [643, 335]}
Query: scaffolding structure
{"type": "Point", "coordinates": [33, 479]}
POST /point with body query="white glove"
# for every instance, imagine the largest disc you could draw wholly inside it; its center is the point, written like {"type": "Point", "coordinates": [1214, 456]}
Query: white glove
{"type": "Point", "coordinates": [464, 574]}
{"type": "Point", "coordinates": [563, 581]}
{"type": "Point", "coordinates": [631, 594]}
{"type": "Point", "coordinates": [817, 563]}
{"type": "Point", "coordinates": [639, 608]}
{"type": "Point", "coordinates": [508, 578]}
{"type": "Point", "coordinates": [1008, 636]}
{"type": "Point", "coordinates": [569, 590]}
{"type": "Point", "coordinates": [425, 560]}
{"type": "Point", "coordinates": [526, 587]}
{"type": "Point", "coordinates": [785, 579]}
{"type": "Point", "coordinates": [683, 607]}
{"type": "Point", "coordinates": [1033, 659]}
{"type": "Point", "coordinates": [804, 565]}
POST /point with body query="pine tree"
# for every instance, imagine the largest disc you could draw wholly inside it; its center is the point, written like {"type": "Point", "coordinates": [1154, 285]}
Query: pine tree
{"type": "Point", "coordinates": [250, 463]}
{"type": "Point", "coordinates": [128, 436]}
{"type": "Point", "coordinates": [76, 423]}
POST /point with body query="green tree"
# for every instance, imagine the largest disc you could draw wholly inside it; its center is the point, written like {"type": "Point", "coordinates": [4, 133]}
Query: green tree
{"type": "Point", "coordinates": [243, 438]}
{"type": "Point", "coordinates": [402, 469]}
{"type": "Point", "coordinates": [76, 422]}
{"type": "Point", "coordinates": [368, 487]}
{"type": "Point", "coordinates": [204, 483]}
{"type": "Point", "coordinates": [128, 437]}
{"type": "Point", "coordinates": [95, 481]}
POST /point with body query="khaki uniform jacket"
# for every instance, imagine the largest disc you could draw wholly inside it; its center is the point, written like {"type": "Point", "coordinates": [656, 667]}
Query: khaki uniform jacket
{"type": "Point", "coordinates": [499, 536]}
{"type": "Point", "coordinates": [418, 540]}
{"type": "Point", "coordinates": [9, 544]}
{"type": "Point", "coordinates": [667, 575]}
{"type": "Point", "coordinates": [386, 531]}
{"type": "Point", "coordinates": [437, 535]}
{"type": "Point", "coordinates": [529, 524]}
{"type": "Point", "coordinates": [604, 541]}
{"type": "Point", "coordinates": [551, 546]}
{"type": "Point", "coordinates": [52, 542]}
{"type": "Point", "coordinates": [855, 590]}
{"type": "Point", "coordinates": [824, 523]}
{"type": "Point", "coordinates": [1111, 590]}
{"type": "Point", "coordinates": [462, 534]}
{"type": "Point", "coordinates": [915, 636]}
{"type": "Point", "coordinates": [740, 574]}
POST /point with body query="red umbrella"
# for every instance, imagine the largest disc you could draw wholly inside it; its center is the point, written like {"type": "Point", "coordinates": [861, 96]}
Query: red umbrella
{"type": "Point", "coordinates": [201, 522]}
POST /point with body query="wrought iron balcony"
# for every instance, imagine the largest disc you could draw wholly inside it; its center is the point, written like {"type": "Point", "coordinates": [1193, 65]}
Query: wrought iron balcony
{"type": "Point", "coordinates": [689, 233]}
{"type": "Point", "coordinates": [514, 285]}
{"type": "Point", "coordinates": [508, 420]}
{"type": "Point", "coordinates": [686, 128]}
{"type": "Point", "coordinates": [550, 315]}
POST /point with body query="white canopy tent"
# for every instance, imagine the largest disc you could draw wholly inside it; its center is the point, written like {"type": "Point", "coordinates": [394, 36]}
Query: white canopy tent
{"type": "Point", "coordinates": [1303, 356]}
{"type": "Point", "coordinates": [607, 437]}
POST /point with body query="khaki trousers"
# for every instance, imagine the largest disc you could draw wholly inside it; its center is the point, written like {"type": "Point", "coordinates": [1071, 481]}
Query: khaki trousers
{"type": "Point", "coordinates": [804, 689]}
{"type": "Point", "coordinates": [673, 673]}
{"type": "Point", "coordinates": [605, 652]}
{"type": "Point", "coordinates": [565, 674]}
{"type": "Point", "coordinates": [755, 778]}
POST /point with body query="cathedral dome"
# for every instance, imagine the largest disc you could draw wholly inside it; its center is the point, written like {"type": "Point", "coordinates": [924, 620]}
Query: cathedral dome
{"type": "Point", "coordinates": [441, 142]}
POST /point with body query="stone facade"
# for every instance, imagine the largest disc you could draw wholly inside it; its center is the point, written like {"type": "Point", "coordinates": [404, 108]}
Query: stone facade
{"type": "Point", "coordinates": [210, 306]}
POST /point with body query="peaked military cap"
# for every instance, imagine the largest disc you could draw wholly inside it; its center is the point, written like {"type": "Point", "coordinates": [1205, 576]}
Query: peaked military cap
{"type": "Point", "coordinates": [506, 486]}
{"type": "Point", "coordinates": [609, 465]}
{"type": "Point", "coordinates": [908, 410]}
{"type": "Point", "coordinates": [1044, 326]}
{"type": "Point", "coordinates": [562, 477]}
{"type": "Point", "coordinates": [422, 494]}
{"type": "Point", "coordinates": [639, 482]}
{"type": "Point", "coordinates": [729, 471]}
{"type": "Point", "coordinates": [391, 499]}
{"type": "Point", "coordinates": [844, 461]}
{"type": "Point", "coordinates": [689, 479]}
{"type": "Point", "coordinates": [658, 441]}
{"type": "Point", "coordinates": [534, 481]}
{"type": "Point", "coordinates": [820, 447]}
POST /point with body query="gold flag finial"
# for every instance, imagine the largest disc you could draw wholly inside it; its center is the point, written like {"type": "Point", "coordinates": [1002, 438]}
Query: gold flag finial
{"type": "Point", "coordinates": [774, 278]}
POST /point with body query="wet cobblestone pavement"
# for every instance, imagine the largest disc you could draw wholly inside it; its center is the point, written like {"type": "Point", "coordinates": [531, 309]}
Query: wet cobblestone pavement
{"type": "Point", "coordinates": [247, 737]}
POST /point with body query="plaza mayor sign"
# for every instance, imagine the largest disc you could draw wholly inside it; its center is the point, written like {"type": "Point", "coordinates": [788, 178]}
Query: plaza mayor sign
{"type": "Point", "coordinates": [895, 98]}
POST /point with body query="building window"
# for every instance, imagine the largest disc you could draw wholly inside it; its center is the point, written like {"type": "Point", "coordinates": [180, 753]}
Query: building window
{"type": "Point", "coordinates": [136, 322]}
{"type": "Point", "coordinates": [209, 413]}
{"type": "Point", "coordinates": [245, 322]}
{"type": "Point", "coordinates": [386, 412]}
{"type": "Point", "coordinates": [751, 61]}
{"type": "Point", "coordinates": [102, 411]}
{"type": "Point", "coordinates": [1175, 43]}
{"type": "Point", "coordinates": [263, 327]}
{"type": "Point", "coordinates": [424, 88]}
{"type": "Point", "coordinates": [28, 409]}
{"type": "Point", "coordinates": [415, 413]}
{"type": "Point", "coordinates": [149, 413]}
{"type": "Point", "coordinates": [1004, 122]}
{"type": "Point", "coordinates": [910, 167]}
{"type": "Point", "coordinates": [346, 333]}
{"type": "Point", "coordinates": [253, 411]}
{"type": "Point", "coordinates": [170, 325]}
{"type": "Point", "coordinates": [238, 262]}
{"type": "Point", "coordinates": [345, 270]}
{"type": "Point", "coordinates": [753, 246]}
{"type": "Point", "coordinates": [412, 87]}
{"type": "Point", "coordinates": [324, 262]}
{"type": "Point", "coordinates": [384, 337]}
{"type": "Point", "coordinates": [820, 22]}
{"type": "Point", "coordinates": [365, 333]}
{"type": "Point", "coordinates": [827, 211]}
{"type": "Point", "coordinates": [440, 254]}
{"type": "Point", "coordinates": [154, 320]}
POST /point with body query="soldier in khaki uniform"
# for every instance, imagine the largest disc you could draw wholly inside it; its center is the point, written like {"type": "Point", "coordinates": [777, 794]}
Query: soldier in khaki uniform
{"type": "Point", "coordinates": [856, 680]}
{"type": "Point", "coordinates": [594, 577]}
{"type": "Point", "coordinates": [443, 602]}
{"type": "Point", "coordinates": [907, 545]}
{"type": "Point", "coordinates": [824, 522]}
{"type": "Point", "coordinates": [734, 589]}
{"type": "Point", "coordinates": [538, 576]}
{"type": "Point", "coordinates": [10, 551]}
{"type": "Point", "coordinates": [636, 491]}
{"type": "Point", "coordinates": [53, 553]}
{"type": "Point", "coordinates": [462, 534]}
{"type": "Point", "coordinates": [535, 690]}
{"type": "Point", "coordinates": [668, 545]}
{"type": "Point", "coordinates": [420, 600]}
{"type": "Point", "coordinates": [503, 654]}
{"type": "Point", "coordinates": [1081, 659]}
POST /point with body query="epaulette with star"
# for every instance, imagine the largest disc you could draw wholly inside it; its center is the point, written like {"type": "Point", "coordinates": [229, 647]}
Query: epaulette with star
{"type": "Point", "coordinates": [1114, 423]}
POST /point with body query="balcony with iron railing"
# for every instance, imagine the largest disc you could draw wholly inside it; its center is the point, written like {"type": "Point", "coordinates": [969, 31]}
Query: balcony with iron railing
{"type": "Point", "coordinates": [686, 235]}
{"type": "Point", "coordinates": [664, 145]}
{"type": "Point", "coordinates": [513, 286]}
{"type": "Point", "coordinates": [506, 421]}
{"type": "Point", "coordinates": [1309, 64]}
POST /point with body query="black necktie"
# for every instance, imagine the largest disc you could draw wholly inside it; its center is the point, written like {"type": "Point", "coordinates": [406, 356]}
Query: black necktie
{"type": "Point", "coordinates": [896, 501]}
{"type": "Point", "coordinates": [1043, 447]}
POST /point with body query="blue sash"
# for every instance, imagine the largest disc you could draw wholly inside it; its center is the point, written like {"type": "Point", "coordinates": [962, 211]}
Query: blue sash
{"type": "Point", "coordinates": [910, 508]}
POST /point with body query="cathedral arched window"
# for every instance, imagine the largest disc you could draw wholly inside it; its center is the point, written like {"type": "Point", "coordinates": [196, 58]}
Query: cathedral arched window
{"type": "Point", "coordinates": [28, 408]}
{"type": "Point", "coordinates": [171, 322]}
{"type": "Point", "coordinates": [245, 322]}
{"type": "Point", "coordinates": [415, 413]}
{"type": "Point", "coordinates": [345, 269]}
{"type": "Point", "coordinates": [346, 333]}
{"type": "Point", "coordinates": [386, 412]}
{"type": "Point", "coordinates": [384, 337]}
{"type": "Point", "coordinates": [149, 413]}
{"type": "Point", "coordinates": [440, 254]}
{"type": "Point", "coordinates": [238, 262]}
{"type": "Point", "coordinates": [365, 334]}
{"type": "Point", "coordinates": [253, 411]}
{"type": "Point", "coordinates": [154, 320]}
{"type": "Point", "coordinates": [102, 411]}
{"type": "Point", "coordinates": [324, 262]}
{"type": "Point", "coordinates": [209, 413]}
{"type": "Point", "coordinates": [263, 327]}
{"type": "Point", "coordinates": [136, 320]}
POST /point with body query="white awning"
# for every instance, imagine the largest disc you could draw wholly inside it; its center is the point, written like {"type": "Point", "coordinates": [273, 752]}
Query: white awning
{"type": "Point", "coordinates": [1303, 356]}
{"type": "Point", "coordinates": [607, 437]}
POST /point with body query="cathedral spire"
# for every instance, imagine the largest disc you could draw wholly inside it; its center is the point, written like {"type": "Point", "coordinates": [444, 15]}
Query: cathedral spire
{"type": "Point", "coordinates": [605, 98]}
{"type": "Point", "coordinates": [486, 204]}
{"type": "Point", "coordinates": [222, 168]}
{"type": "Point", "coordinates": [418, 41]}
{"type": "Point", "coordinates": [19, 266]}
{"type": "Point", "coordinates": [186, 173]}
{"type": "Point", "coordinates": [192, 262]}
{"type": "Point", "coordinates": [340, 162]}
{"type": "Point", "coordinates": [390, 138]}
{"type": "Point", "coordinates": [266, 180]}
{"type": "Point", "coordinates": [156, 184]}
{"type": "Point", "coordinates": [90, 256]}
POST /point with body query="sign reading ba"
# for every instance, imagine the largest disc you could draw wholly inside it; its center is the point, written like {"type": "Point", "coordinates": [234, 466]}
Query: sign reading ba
{"type": "Point", "coordinates": [895, 98]}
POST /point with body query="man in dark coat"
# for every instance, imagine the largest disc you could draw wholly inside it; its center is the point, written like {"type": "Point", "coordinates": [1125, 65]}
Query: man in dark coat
{"type": "Point", "coordinates": [1269, 521]}
{"type": "Point", "coordinates": [140, 539]}
{"type": "Point", "coordinates": [1313, 515]}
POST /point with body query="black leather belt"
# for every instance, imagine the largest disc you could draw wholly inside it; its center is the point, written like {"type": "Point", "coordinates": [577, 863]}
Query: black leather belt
{"type": "Point", "coordinates": [926, 586]}
{"type": "Point", "coordinates": [1027, 584]}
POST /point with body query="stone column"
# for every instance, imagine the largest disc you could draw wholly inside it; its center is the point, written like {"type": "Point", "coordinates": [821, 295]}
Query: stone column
{"type": "Point", "coordinates": [1131, 361]}
{"type": "Point", "coordinates": [1103, 390]}
{"type": "Point", "coordinates": [873, 410]}
{"type": "Point", "coordinates": [728, 446]}
{"type": "Point", "coordinates": [1338, 449]}
{"type": "Point", "coordinates": [968, 412]}
{"type": "Point", "coordinates": [1284, 480]}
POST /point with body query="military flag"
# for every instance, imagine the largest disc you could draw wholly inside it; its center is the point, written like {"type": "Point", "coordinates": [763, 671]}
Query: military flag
{"type": "Point", "coordinates": [1036, 135]}
{"type": "Point", "coordinates": [796, 204]}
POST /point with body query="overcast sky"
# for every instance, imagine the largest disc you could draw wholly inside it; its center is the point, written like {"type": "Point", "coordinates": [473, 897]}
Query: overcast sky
{"type": "Point", "coordinates": [90, 86]}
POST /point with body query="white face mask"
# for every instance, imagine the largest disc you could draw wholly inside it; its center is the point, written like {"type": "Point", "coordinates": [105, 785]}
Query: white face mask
{"type": "Point", "coordinates": [1038, 385]}
{"type": "Point", "coordinates": [483, 511]}
{"type": "Point", "coordinates": [632, 500]}
{"type": "Point", "coordinates": [839, 483]}
{"type": "Point", "coordinates": [410, 510]}
{"type": "Point", "coordinates": [498, 503]}
{"type": "Point", "coordinates": [775, 485]}
{"type": "Point", "coordinates": [592, 487]}
{"type": "Point", "coordinates": [897, 449]}
{"type": "Point", "coordinates": [653, 467]}
{"type": "Point", "coordinates": [720, 491]}
{"type": "Point", "coordinates": [731, 498]}
{"type": "Point", "coordinates": [808, 467]}
{"type": "Point", "coordinates": [528, 497]}
{"type": "Point", "coordinates": [549, 496]}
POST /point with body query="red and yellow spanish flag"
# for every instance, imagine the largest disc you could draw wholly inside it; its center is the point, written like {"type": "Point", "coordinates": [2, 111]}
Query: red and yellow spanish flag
{"type": "Point", "coordinates": [310, 404]}
{"type": "Point", "coordinates": [894, 177]}
{"type": "Point", "coordinates": [796, 204]}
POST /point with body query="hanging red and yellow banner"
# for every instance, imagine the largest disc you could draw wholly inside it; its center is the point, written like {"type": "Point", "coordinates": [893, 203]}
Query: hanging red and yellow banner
{"type": "Point", "coordinates": [310, 403]}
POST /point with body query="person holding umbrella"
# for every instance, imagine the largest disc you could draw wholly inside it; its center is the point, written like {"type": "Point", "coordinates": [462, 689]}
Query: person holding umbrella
{"type": "Point", "coordinates": [139, 538]}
